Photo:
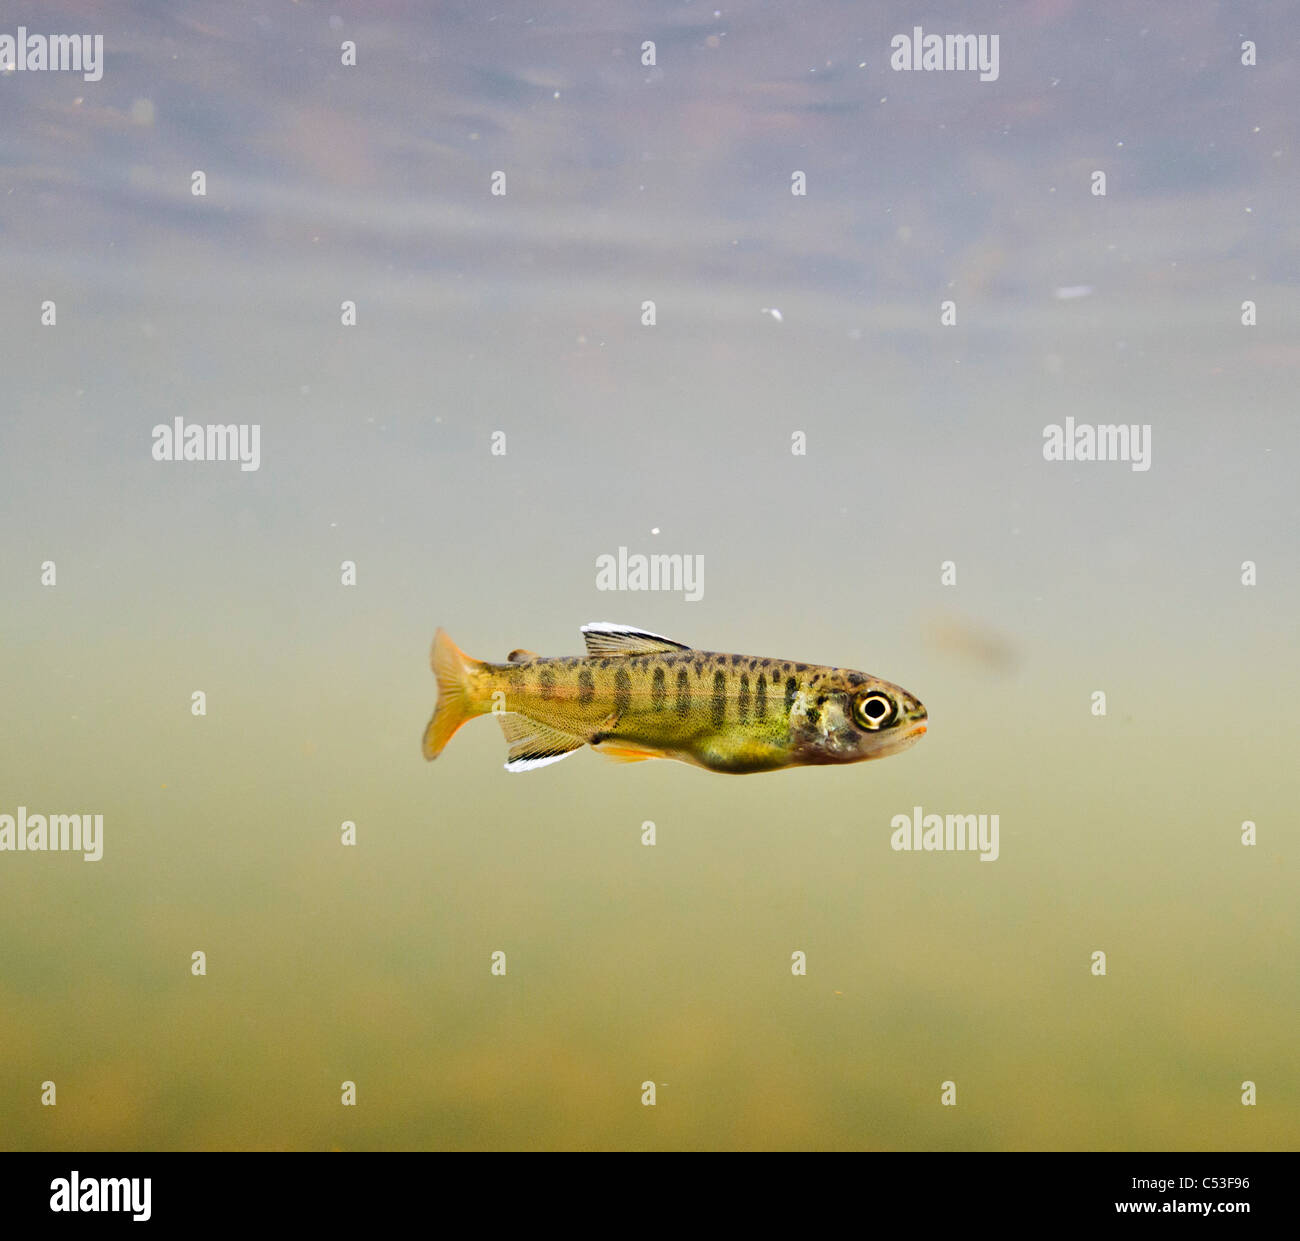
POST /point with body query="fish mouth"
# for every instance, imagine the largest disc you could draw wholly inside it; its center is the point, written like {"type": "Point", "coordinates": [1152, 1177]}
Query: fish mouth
{"type": "Point", "coordinates": [900, 741]}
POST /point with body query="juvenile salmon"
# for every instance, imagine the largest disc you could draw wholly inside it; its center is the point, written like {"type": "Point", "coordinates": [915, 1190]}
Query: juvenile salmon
{"type": "Point", "coordinates": [637, 695]}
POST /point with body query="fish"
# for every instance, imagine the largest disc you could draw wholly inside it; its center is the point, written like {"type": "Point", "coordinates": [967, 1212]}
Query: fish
{"type": "Point", "coordinates": [637, 695]}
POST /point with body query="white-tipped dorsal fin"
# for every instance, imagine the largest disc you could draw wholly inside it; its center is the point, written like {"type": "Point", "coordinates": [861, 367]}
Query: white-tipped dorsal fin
{"type": "Point", "coordinates": [606, 638]}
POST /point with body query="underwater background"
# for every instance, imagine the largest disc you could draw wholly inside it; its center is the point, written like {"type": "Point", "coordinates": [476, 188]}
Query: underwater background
{"type": "Point", "coordinates": [522, 314]}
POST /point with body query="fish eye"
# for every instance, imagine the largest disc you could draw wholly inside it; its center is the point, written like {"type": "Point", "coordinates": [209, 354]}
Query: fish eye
{"type": "Point", "coordinates": [874, 710]}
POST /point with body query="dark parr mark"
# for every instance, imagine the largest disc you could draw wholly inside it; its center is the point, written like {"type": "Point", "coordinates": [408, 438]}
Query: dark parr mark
{"type": "Point", "coordinates": [546, 683]}
{"type": "Point", "coordinates": [760, 699]}
{"type": "Point", "coordinates": [683, 692]}
{"type": "Point", "coordinates": [791, 687]}
{"type": "Point", "coordinates": [658, 690]}
{"type": "Point", "coordinates": [719, 697]}
{"type": "Point", "coordinates": [742, 702]}
{"type": "Point", "coordinates": [586, 688]}
{"type": "Point", "coordinates": [622, 690]}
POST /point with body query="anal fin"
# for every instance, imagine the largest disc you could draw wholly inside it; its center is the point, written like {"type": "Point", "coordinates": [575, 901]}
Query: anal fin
{"type": "Point", "coordinates": [533, 744]}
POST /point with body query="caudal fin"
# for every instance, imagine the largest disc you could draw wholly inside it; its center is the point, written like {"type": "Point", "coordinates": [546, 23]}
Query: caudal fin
{"type": "Point", "coordinates": [456, 702]}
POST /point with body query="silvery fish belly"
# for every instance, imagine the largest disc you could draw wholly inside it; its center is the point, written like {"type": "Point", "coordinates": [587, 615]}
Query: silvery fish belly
{"type": "Point", "coordinates": [637, 695]}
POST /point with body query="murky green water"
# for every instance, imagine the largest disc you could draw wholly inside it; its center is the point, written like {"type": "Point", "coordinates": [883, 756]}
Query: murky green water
{"type": "Point", "coordinates": [522, 314]}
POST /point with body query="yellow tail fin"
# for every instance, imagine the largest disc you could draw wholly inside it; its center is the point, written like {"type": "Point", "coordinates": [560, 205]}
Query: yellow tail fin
{"type": "Point", "coordinates": [456, 701]}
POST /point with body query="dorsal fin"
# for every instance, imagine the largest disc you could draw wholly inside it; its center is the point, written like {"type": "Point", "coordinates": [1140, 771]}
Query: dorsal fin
{"type": "Point", "coordinates": [520, 656]}
{"type": "Point", "coordinates": [606, 638]}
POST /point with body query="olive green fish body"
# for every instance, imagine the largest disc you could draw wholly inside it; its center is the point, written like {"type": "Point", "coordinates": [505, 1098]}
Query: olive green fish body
{"type": "Point", "coordinates": [637, 695]}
